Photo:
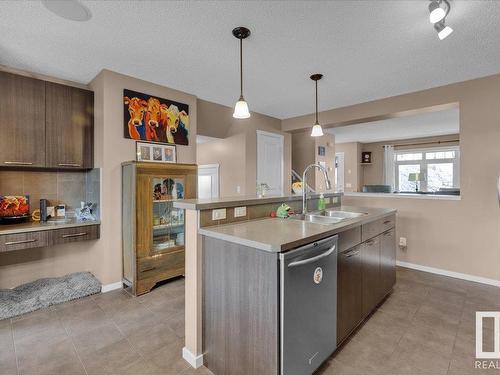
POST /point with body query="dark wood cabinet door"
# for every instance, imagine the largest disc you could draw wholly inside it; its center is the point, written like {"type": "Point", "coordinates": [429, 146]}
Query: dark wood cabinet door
{"type": "Point", "coordinates": [70, 126]}
{"type": "Point", "coordinates": [387, 261]}
{"type": "Point", "coordinates": [349, 292]}
{"type": "Point", "coordinates": [370, 260]}
{"type": "Point", "coordinates": [22, 121]}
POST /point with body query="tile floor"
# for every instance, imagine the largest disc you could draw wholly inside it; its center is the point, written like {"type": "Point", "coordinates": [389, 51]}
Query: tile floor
{"type": "Point", "coordinates": [425, 327]}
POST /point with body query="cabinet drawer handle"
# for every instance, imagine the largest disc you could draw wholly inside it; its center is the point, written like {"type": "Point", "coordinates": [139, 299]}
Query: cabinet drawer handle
{"type": "Point", "coordinates": [370, 242]}
{"type": "Point", "coordinates": [74, 235]}
{"type": "Point", "coordinates": [148, 269]}
{"type": "Point", "coordinates": [69, 165]}
{"type": "Point", "coordinates": [351, 253]}
{"type": "Point", "coordinates": [387, 221]}
{"type": "Point", "coordinates": [20, 242]}
{"type": "Point", "coordinates": [18, 162]}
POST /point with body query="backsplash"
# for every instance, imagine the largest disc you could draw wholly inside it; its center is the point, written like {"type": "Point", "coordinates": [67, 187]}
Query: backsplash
{"type": "Point", "coordinates": [69, 187]}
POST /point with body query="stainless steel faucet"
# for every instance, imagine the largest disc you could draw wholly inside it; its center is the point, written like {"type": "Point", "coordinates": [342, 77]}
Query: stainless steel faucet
{"type": "Point", "coordinates": [304, 183]}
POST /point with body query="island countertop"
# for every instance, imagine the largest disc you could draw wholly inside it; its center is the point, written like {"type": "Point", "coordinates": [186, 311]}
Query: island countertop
{"type": "Point", "coordinates": [278, 235]}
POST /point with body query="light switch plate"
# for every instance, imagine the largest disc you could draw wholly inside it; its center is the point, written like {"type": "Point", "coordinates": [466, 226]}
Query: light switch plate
{"type": "Point", "coordinates": [240, 211]}
{"type": "Point", "coordinates": [328, 200]}
{"type": "Point", "coordinates": [219, 214]}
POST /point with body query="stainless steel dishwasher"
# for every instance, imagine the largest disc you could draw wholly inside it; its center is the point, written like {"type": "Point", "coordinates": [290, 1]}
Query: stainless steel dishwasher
{"type": "Point", "coordinates": [308, 306]}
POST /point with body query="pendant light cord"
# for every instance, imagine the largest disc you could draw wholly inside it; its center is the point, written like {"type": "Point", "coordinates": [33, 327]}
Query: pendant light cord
{"type": "Point", "coordinates": [241, 68]}
{"type": "Point", "coordinates": [316, 102]}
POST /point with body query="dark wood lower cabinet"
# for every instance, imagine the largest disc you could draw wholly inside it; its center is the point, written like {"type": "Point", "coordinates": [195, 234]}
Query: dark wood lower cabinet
{"type": "Point", "coordinates": [370, 259]}
{"type": "Point", "coordinates": [240, 309]}
{"type": "Point", "coordinates": [366, 274]}
{"type": "Point", "coordinates": [387, 260]}
{"type": "Point", "coordinates": [48, 237]}
{"type": "Point", "coordinates": [349, 292]}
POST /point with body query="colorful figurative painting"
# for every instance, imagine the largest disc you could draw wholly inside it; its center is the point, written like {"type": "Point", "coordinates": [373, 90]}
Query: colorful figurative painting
{"type": "Point", "coordinates": [154, 119]}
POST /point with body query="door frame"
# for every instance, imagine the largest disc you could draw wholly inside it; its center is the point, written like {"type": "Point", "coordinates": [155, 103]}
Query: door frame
{"type": "Point", "coordinates": [205, 167]}
{"type": "Point", "coordinates": [281, 137]}
{"type": "Point", "coordinates": [341, 156]}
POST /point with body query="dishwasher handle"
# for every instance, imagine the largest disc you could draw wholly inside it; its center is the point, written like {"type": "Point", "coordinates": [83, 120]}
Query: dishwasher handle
{"type": "Point", "coordinates": [313, 259]}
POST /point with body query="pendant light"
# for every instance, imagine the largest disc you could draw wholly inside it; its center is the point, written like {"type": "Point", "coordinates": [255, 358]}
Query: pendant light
{"type": "Point", "coordinates": [241, 107]}
{"type": "Point", "coordinates": [317, 130]}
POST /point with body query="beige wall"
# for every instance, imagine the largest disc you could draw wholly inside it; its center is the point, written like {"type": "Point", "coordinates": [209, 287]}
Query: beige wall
{"type": "Point", "coordinates": [230, 154]}
{"type": "Point", "coordinates": [103, 256]}
{"type": "Point", "coordinates": [328, 142]}
{"type": "Point", "coordinates": [460, 236]}
{"type": "Point", "coordinates": [238, 165]}
{"type": "Point", "coordinates": [373, 174]}
{"type": "Point", "coordinates": [113, 149]}
{"type": "Point", "coordinates": [305, 152]}
{"type": "Point", "coordinates": [352, 167]}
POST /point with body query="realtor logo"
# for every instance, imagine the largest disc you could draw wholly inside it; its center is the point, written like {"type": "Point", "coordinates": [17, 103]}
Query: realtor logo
{"type": "Point", "coordinates": [480, 315]}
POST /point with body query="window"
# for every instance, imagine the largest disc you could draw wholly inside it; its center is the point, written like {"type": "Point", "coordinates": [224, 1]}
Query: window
{"type": "Point", "coordinates": [437, 168]}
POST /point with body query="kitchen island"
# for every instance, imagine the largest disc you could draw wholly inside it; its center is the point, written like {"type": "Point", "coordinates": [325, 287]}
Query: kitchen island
{"type": "Point", "coordinates": [236, 320]}
{"type": "Point", "coordinates": [262, 317]}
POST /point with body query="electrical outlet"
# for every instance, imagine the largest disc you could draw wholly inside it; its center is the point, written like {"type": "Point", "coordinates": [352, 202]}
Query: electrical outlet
{"type": "Point", "coordinates": [328, 200]}
{"type": "Point", "coordinates": [219, 214]}
{"type": "Point", "coordinates": [335, 200]}
{"type": "Point", "coordinates": [240, 211]}
{"type": "Point", "coordinates": [402, 241]}
{"type": "Point", "coordinates": [238, 189]}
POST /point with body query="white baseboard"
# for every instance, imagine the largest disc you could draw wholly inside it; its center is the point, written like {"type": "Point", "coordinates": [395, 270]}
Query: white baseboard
{"type": "Point", "coordinates": [109, 287]}
{"type": "Point", "coordinates": [456, 275]}
{"type": "Point", "coordinates": [194, 361]}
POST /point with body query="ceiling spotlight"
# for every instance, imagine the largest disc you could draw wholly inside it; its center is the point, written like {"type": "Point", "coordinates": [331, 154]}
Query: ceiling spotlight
{"type": "Point", "coordinates": [72, 10]}
{"type": "Point", "coordinates": [436, 12]}
{"type": "Point", "coordinates": [442, 30]}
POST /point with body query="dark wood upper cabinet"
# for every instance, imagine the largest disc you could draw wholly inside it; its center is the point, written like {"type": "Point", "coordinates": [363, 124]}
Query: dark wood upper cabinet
{"type": "Point", "coordinates": [22, 121]}
{"type": "Point", "coordinates": [69, 126]}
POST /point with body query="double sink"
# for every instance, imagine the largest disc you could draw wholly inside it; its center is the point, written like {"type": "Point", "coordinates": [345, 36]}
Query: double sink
{"type": "Point", "coordinates": [327, 216]}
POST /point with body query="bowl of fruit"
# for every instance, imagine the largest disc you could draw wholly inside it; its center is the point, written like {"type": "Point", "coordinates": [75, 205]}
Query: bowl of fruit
{"type": "Point", "coordinates": [297, 188]}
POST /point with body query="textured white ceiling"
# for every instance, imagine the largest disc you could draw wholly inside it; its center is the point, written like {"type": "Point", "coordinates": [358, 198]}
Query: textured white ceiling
{"type": "Point", "coordinates": [423, 125]}
{"type": "Point", "coordinates": [365, 49]}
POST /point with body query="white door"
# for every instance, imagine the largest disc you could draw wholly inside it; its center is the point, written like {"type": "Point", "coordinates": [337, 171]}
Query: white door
{"type": "Point", "coordinates": [270, 161]}
{"type": "Point", "coordinates": [208, 181]}
{"type": "Point", "coordinates": [339, 171]}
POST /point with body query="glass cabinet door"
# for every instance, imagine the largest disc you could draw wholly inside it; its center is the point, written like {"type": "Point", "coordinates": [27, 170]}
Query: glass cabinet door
{"type": "Point", "coordinates": [168, 222]}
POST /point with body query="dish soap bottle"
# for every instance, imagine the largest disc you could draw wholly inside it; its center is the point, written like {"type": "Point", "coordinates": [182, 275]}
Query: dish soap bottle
{"type": "Point", "coordinates": [321, 202]}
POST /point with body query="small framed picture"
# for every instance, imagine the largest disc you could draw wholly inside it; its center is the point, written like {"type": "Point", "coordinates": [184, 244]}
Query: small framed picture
{"type": "Point", "coordinates": [157, 153]}
{"type": "Point", "coordinates": [321, 151]}
{"type": "Point", "coordinates": [366, 157]}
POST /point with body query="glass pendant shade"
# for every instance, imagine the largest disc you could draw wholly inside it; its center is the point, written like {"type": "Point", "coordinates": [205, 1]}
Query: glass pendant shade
{"type": "Point", "coordinates": [317, 131]}
{"type": "Point", "coordinates": [241, 109]}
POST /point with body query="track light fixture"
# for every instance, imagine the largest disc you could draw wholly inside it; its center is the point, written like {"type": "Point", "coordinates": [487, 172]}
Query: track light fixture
{"type": "Point", "coordinates": [442, 30]}
{"type": "Point", "coordinates": [437, 16]}
{"type": "Point", "coordinates": [436, 12]}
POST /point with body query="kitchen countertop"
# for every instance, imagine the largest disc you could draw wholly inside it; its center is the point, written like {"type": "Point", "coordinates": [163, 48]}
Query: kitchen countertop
{"type": "Point", "coordinates": [404, 195]}
{"type": "Point", "coordinates": [278, 235]}
{"type": "Point", "coordinates": [208, 204]}
{"type": "Point", "coordinates": [32, 226]}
